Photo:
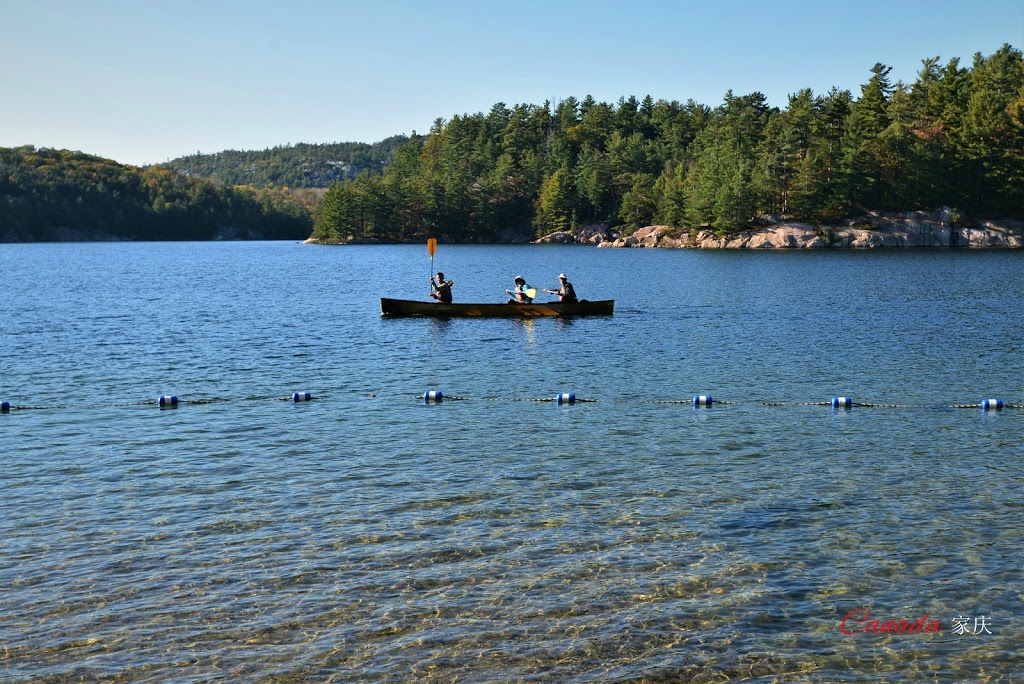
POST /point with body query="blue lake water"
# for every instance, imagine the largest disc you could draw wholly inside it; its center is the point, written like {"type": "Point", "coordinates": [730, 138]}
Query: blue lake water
{"type": "Point", "coordinates": [367, 536]}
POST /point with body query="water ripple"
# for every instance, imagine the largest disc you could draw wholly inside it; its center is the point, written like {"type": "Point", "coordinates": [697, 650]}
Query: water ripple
{"type": "Point", "coordinates": [374, 538]}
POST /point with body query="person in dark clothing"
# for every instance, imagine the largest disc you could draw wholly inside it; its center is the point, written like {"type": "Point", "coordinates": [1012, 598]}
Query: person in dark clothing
{"type": "Point", "coordinates": [566, 293]}
{"type": "Point", "coordinates": [441, 290]}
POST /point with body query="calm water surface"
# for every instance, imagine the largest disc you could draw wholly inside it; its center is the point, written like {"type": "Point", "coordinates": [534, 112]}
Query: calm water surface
{"type": "Point", "coordinates": [366, 536]}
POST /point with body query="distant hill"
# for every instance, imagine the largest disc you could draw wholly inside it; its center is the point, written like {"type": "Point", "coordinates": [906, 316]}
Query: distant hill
{"type": "Point", "coordinates": [295, 166]}
{"type": "Point", "coordinates": [51, 195]}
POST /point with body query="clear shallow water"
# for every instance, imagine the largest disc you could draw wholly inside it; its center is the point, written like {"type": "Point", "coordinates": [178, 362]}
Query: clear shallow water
{"type": "Point", "coordinates": [366, 536]}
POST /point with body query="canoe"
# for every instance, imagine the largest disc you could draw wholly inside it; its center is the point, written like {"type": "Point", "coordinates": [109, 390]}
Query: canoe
{"type": "Point", "coordinates": [405, 307]}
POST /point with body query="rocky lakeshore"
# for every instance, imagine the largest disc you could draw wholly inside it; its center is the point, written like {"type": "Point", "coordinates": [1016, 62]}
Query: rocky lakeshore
{"type": "Point", "coordinates": [943, 228]}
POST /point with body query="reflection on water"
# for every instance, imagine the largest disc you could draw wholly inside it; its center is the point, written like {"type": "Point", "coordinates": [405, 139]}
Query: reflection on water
{"type": "Point", "coordinates": [439, 325]}
{"type": "Point", "coordinates": [527, 334]}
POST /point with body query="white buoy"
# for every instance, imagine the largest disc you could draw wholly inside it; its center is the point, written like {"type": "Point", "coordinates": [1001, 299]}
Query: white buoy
{"type": "Point", "coordinates": [842, 402]}
{"type": "Point", "coordinates": [992, 405]}
{"type": "Point", "coordinates": [302, 396]}
{"type": "Point", "coordinates": [566, 398]}
{"type": "Point", "coordinates": [433, 397]}
{"type": "Point", "coordinates": [703, 400]}
{"type": "Point", "coordinates": [166, 401]}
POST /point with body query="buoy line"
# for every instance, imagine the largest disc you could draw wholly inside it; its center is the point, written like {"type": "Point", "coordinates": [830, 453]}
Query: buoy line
{"type": "Point", "coordinates": [563, 398]}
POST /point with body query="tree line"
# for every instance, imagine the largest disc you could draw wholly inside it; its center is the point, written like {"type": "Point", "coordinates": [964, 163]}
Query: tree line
{"type": "Point", "coordinates": [45, 190]}
{"type": "Point", "coordinates": [297, 166]}
{"type": "Point", "coordinates": [955, 136]}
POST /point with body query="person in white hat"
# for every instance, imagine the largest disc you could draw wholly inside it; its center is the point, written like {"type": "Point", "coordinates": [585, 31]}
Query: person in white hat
{"type": "Point", "coordinates": [566, 292]}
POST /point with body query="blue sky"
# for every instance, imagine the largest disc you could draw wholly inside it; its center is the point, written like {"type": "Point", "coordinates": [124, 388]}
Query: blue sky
{"type": "Point", "coordinates": [144, 81]}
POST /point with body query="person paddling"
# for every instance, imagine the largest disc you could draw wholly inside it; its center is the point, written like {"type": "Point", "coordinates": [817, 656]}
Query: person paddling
{"type": "Point", "coordinates": [441, 290]}
{"type": "Point", "coordinates": [521, 295]}
{"type": "Point", "coordinates": [566, 293]}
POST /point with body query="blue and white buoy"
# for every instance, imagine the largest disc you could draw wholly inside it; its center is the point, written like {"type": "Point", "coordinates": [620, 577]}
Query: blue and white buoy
{"type": "Point", "coordinates": [703, 400]}
{"type": "Point", "coordinates": [566, 398]}
{"type": "Point", "coordinates": [992, 405]}
{"type": "Point", "coordinates": [842, 402]}
{"type": "Point", "coordinates": [433, 397]}
{"type": "Point", "coordinates": [302, 396]}
{"type": "Point", "coordinates": [166, 401]}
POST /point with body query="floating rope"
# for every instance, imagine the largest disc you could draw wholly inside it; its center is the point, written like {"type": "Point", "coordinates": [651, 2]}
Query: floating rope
{"type": "Point", "coordinates": [705, 401]}
{"type": "Point", "coordinates": [448, 397]}
{"type": "Point", "coordinates": [988, 405]}
{"type": "Point", "coordinates": [435, 396]}
{"type": "Point", "coordinates": [9, 407]}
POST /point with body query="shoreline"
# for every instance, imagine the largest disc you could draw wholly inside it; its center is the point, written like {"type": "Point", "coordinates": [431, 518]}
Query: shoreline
{"type": "Point", "coordinates": [914, 229]}
{"type": "Point", "coordinates": [944, 228]}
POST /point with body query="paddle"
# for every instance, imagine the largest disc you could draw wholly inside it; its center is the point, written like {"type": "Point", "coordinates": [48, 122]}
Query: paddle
{"type": "Point", "coordinates": [431, 248]}
{"type": "Point", "coordinates": [530, 292]}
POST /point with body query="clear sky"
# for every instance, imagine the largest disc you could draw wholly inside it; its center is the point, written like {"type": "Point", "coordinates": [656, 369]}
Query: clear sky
{"type": "Point", "coordinates": [144, 81]}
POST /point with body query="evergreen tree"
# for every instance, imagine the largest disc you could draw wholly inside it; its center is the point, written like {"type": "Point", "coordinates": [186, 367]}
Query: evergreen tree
{"type": "Point", "coordinates": [830, 125]}
{"type": "Point", "coordinates": [329, 223]}
{"type": "Point", "coordinates": [896, 145]}
{"type": "Point", "coordinates": [873, 104]}
{"type": "Point", "coordinates": [670, 195]}
{"type": "Point", "coordinates": [993, 138]}
{"type": "Point", "coordinates": [727, 185]}
{"type": "Point", "coordinates": [595, 184]}
{"type": "Point", "coordinates": [638, 203]}
{"type": "Point", "coordinates": [855, 186]}
{"type": "Point", "coordinates": [555, 205]}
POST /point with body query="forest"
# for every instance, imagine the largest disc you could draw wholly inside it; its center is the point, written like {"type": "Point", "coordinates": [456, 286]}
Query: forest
{"type": "Point", "coordinates": [954, 137]}
{"type": "Point", "coordinates": [297, 166]}
{"type": "Point", "coordinates": [45, 191]}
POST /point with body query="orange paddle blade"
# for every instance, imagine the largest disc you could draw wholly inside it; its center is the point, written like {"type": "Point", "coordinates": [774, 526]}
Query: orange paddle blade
{"type": "Point", "coordinates": [431, 246]}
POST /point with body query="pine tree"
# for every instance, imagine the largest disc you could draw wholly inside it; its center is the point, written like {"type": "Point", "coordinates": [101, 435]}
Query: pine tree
{"type": "Point", "coordinates": [329, 220]}
{"type": "Point", "coordinates": [670, 195]}
{"type": "Point", "coordinates": [873, 104]}
{"type": "Point", "coordinates": [638, 203]}
{"type": "Point", "coordinates": [555, 206]}
{"type": "Point", "coordinates": [993, 138]}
